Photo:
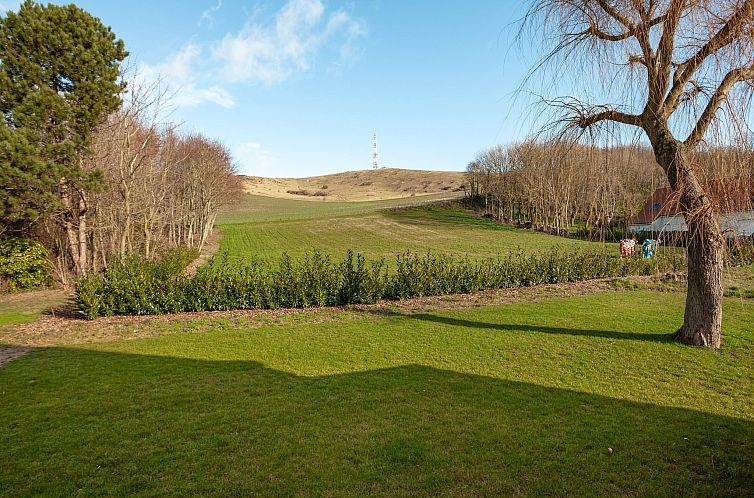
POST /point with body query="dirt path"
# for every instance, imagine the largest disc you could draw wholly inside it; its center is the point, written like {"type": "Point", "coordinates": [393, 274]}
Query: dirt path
{"type": "Point", "coordinates": [210, 249]}
{"type": "Point", "coordinates": [8, 353]}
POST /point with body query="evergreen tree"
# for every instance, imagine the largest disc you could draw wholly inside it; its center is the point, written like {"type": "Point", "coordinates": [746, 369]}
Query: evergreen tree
{"type": "Point", "coordinates": [59, 77]}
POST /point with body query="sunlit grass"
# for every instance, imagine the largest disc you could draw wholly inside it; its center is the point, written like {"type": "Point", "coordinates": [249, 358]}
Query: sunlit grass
{"type": "Point", "coordinates": [517, 399]}
{"type": "Point", "coordinates": [376, 232]}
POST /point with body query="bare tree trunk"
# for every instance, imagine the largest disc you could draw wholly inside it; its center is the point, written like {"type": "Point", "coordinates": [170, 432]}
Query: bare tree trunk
{"type": "Point", "coordinates": [70, 231]}
{"type": "Point", "coordinates": [83, 249]}
{"type": "Point", "coordinates": [702, 318]}
{"type": "Point", "coordinates": [704, 299]}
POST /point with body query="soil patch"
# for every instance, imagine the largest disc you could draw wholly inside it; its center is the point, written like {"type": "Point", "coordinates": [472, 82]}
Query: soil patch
{"type": "Point", "coordinates": [8, 353]}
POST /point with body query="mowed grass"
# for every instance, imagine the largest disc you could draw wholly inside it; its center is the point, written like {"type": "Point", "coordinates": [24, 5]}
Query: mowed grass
{"type": "Point", "coordinates": [28, 306]}
{"type": "Point", "coordinates": [256, 208]}
{"type": "Point", "coordinates": [270, 227]}
{"type": "Point", "coordinates": [520, 399]}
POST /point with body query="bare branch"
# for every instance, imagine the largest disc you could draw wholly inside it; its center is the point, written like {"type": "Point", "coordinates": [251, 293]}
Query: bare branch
{"type": "Point", "coordinates": [730, 30]}
{"type": "Point", "coordinates": [625, 35]}
{"type": "Point", "coordinates": [609, 10]}
{"type": "Point", "coordinates": [667, 42]}
{"type": "Point", "coordinates": [734, 76]}
{"type": "Point", "coordinates": [576, 115]}
{"type": "Point", "coordinates": [588, 120]}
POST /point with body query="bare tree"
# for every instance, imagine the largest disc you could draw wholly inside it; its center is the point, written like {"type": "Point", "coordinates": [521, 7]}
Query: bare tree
{"type": "Point", "coordinates": [559, 187]}
{"type": "Point", "coordinates": [681, 71]}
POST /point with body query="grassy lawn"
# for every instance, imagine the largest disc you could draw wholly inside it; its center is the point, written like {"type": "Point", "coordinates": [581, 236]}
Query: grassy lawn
{"type": "Point", "coordinates": [739, 282]}
{"type": "Point", "coordinates": [269, 227]}
{"type": "Point", "coordinates": [520, 399]}
{"type": "Point", "coordinates": [26, 307]}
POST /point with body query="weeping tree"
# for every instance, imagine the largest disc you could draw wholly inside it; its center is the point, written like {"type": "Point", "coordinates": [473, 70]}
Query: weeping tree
{"type": "Point", "coordinates": [680, 72]}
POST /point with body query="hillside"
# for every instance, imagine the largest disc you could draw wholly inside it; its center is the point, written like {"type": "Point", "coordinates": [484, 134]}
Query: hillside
{"type": "Point", "coordinates": [364, 185]}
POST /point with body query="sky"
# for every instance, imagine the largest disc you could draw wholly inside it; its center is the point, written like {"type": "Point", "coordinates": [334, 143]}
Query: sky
{"type": "Point", "coordinates": [296, 88]}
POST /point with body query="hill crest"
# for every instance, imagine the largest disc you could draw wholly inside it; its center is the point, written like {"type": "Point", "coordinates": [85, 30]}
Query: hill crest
{"type": "Point", "coordinates": [361, 185]}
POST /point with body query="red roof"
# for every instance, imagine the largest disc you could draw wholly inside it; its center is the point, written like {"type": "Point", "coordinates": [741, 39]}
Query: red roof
{"type": "Point", "coordinates": [732, 195]}
{"type": "Point", "coordinates": [659, 204]}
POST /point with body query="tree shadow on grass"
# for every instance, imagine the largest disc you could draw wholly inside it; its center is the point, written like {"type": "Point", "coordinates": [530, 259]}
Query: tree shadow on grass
{"type": "Point", "coordinates": [607, 334]}
{"type": "Point", "coordinates": [88, 422]}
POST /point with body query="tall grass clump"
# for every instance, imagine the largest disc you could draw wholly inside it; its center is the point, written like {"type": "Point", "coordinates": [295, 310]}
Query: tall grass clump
{"type": "Point", "coordinates": [135, 286]}
{"type": "Point", "coordinates": [740, 254]}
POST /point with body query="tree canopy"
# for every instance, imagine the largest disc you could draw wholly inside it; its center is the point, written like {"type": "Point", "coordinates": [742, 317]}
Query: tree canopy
{"type": "Point", "coordinates": [59, 78]}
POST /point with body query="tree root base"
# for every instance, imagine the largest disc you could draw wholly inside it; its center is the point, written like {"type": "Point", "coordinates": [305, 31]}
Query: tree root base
{"type": "Point", "coordinates": [696, 338]}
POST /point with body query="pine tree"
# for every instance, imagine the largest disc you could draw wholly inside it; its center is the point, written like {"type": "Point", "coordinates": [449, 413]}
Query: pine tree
{"type": "Point", "coordinates": [59, 77]}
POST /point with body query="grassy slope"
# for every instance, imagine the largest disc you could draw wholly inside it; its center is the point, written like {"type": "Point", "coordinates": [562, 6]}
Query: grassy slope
{"type": "Point", "coordinates": [267, 227]}
{"type": "Point", "coordinates": [257, 208]}
{"type": "Point", "coordinates": [516, 399]}
{"type": "Point", "coordinates": [369, 184]}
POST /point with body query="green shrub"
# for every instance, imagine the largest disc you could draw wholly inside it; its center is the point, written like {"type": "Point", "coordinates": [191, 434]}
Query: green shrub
{"type": "Point", "coordinates": [176, 260]}
{"type": "Point", "coordinates": [135, 286]}
{"type": "Point", "coordinates": [23, 264]}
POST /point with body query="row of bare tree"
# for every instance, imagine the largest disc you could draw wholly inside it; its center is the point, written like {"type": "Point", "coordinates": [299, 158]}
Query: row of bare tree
{"type": "Point", "coordinates": [156, 189]}
{"type": "Point", "coordinates": [557, 186]}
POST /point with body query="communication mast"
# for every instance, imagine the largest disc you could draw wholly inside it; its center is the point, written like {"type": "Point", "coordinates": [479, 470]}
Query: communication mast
{"type": "Point", "coordinates": [375, 156]}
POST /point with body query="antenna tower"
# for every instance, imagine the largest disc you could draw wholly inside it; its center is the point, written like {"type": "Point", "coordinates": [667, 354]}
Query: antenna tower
{"type": "Point", "coordinates": [375, 156]}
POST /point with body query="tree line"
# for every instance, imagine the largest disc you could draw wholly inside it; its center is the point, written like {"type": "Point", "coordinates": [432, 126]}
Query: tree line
{"type": "Point", "coordinates": [594, 192]}
{"type": "Point", "coordinates": [559, 187]}
{"type": "Point", "coordinates": [87, 166]}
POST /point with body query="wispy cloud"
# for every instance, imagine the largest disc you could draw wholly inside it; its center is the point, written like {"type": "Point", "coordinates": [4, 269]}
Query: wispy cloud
{"type": "Point", "coordinates": [253, 159]}
{"type": "Point", "coordinates": [179, 75]}
{"type": "Point", "coordinates": [272, 53]}
{"type": "Point", "coordinates": [260, 53]}
{"type": "Point", "coordinates": [208, 16]}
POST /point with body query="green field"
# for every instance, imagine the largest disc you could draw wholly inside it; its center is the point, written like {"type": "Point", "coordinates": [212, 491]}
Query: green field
{"type": "Point", "coordinates": [520, 399]}
{"type": "Point", "coordinates": [265, 227]}
{"type": "Point", "coordinates": [551, 391]}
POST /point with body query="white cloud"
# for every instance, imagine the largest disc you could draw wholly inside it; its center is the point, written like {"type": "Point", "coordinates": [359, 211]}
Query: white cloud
{"type": "Point", "coordinates": [208, 16]}
{"type": "Point", "coordinates": [253, 159]}
{"type": "Point", "coordinates": [270, 54]}
{"type": "Point", "coordinates": [179, 75]}
{"type": "Point", "coordinates": [259, 53]}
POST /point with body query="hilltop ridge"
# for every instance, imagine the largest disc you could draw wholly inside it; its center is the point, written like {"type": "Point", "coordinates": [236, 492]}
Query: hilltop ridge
{"type": "Point", "coordinates": [363, 185]}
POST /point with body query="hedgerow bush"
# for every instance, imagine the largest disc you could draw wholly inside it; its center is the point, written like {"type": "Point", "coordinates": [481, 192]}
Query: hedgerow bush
{"type": "Point", "coordinates": [23, 264]}
{"type": "Point", "coordinates": [133, 286]}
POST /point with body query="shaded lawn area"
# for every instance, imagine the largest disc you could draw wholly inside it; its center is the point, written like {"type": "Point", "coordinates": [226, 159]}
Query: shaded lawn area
{"type": "Point", "coordinates": [516, 399]}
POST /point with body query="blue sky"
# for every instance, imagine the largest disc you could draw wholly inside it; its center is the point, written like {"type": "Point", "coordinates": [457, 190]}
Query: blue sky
{"type": "Point", "coordinates": [297, 87]}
